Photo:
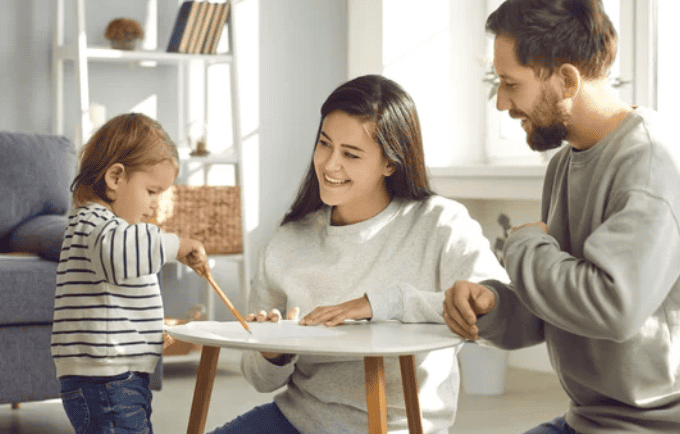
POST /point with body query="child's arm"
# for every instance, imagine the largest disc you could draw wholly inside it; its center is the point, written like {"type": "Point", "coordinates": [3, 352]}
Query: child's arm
{"type": "Point", "coordinates": [131, 251]}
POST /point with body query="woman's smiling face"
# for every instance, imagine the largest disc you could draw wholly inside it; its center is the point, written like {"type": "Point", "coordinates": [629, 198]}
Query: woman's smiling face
{"type": "Point", "coordinates": [351, 169]}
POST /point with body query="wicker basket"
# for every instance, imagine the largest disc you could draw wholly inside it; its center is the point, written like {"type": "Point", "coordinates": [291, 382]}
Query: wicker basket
{"type": "Point", "coordinates": [209, 214]}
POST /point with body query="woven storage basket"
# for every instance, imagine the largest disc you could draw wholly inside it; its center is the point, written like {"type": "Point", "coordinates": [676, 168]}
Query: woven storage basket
{"type": "Point", "coordinates": [209, 214]}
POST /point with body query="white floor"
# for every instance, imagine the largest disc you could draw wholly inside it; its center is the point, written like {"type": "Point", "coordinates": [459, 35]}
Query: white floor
{"type": "Point", "coordinates": [530, 398]}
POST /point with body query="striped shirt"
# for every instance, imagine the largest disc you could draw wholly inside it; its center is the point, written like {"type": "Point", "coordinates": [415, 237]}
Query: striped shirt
{"type": "Point", "coordinates": [108, 310]}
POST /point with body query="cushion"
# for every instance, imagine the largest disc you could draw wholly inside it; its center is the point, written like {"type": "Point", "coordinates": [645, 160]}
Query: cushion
{"type": "Point", "coordinates": [42, 235]}
{"type": "Point", "coordinates": [36, 172]}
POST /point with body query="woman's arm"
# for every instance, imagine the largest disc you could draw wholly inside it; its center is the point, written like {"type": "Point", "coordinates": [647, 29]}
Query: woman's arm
{"type": "Point", "coordinates": [266, 372]}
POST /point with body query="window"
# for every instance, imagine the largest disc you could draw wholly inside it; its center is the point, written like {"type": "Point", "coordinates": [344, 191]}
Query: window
{"type": "Point", "coordinates": [438, 50]}
{"type": "Point", "coordinates": [666, 60]}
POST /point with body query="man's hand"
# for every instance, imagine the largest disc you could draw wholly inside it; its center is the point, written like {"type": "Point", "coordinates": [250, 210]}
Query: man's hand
{"type": "Point", "coordinates": [463, 302]}
{"type": "Point", "coordinates": [274, 315]}
{"type": "Point", "coordinates": [358, 308]}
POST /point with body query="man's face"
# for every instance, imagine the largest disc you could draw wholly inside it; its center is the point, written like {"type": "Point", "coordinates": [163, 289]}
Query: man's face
{"type": "Point", "coordinates": [528, 97]}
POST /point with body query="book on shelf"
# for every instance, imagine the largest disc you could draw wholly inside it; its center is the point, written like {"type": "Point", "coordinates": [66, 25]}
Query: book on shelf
{"type": "Point", "coordinates": [202, 9]}
{"type": "Point", "coordinates": [197, 44]}
{"type": "Point", "coordinates": [181, 32]}
{"type": "Point", "coordinates": [199, 27]}
{"type": "Point", "coordinates": [222, 21]}
{"type": "Point", "coordinates": [212, 28]}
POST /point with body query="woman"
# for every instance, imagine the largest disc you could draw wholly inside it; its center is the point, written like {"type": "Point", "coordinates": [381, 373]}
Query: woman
{"type": "Point", "coordinates": [364, 239]}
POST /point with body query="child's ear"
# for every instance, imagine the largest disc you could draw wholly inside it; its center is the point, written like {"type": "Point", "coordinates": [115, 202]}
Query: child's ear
{"type": "Point", "coordinates": [112, 177]}
{"type": "Point", "coordinates": [389, 168]}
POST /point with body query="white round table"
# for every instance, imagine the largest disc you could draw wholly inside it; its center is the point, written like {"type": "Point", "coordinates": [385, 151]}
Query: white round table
{"type": "Point", "coordinates": [362, 339]}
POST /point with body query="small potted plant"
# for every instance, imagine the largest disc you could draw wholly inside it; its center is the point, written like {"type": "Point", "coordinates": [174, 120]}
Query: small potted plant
{"type": "Point", "coordinates": [124, 33]}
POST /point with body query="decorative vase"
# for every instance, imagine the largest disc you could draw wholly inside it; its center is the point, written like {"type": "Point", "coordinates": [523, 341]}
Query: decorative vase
{"type": "Point", "coordinates": [124, 33]}
{"type": "Point", "coordinates": [124, 44]}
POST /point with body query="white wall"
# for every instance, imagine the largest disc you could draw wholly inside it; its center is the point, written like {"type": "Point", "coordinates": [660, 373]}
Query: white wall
{"type": "Point", "coordinates": [302, 57]}
{"type": "Point", "coordinates": [417, 50]}
{"type": "Point", "coordinates": [25, 39]}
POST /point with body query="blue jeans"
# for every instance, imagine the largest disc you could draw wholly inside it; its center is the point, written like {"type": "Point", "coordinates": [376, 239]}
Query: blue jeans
{"type": "Point", "coordinates": [557, 426]}
{"type": "Point", "coordinates": [263, 419]}
{"type": "Point", "coordinates": [119, 404]}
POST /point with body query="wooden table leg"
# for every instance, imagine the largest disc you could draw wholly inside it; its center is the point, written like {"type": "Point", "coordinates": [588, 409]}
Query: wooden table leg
{"type": "Point", "coordinates": [374, 368]}
{"type": "Point", "coordinates": [410, 385]}
{"type": "Point", "coordinates": [205, 379]}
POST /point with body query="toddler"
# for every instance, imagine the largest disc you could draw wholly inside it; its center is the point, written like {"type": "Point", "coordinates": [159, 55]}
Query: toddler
{"type": "Point", "coordinates": [107, 335]}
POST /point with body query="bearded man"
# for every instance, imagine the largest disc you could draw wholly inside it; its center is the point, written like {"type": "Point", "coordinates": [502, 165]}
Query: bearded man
{"type": "Point", "coordinates": [598, 278]}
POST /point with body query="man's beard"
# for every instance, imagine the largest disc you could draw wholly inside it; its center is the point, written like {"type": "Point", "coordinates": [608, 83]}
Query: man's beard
{"type": "Point", "coordinates": [548, 123]}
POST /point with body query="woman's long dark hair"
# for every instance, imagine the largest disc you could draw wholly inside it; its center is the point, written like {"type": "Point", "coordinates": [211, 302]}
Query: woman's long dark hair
{"type": "Point", "coordinates": [392, 113]}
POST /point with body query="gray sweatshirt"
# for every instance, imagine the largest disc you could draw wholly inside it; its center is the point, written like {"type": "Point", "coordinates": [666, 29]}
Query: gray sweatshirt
{"type": "Point", "coordinates": [403, 259]}
{"type": "Point", "coordinates": [602, 288]}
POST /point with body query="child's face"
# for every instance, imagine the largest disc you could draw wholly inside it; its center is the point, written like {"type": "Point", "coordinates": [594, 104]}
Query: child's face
{"type": "Point", "coordinates": [351, 169]}
{"type": "Point", "coordinates": [136, 195]}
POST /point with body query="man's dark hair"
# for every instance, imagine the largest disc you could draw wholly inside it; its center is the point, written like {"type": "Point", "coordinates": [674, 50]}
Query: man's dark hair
{"type": "Point", "coordinates": [550, 33]}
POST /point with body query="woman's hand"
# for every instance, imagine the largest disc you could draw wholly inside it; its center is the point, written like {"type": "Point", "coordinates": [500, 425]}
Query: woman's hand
{"type": "Point", "coordinates": [358, 308]}
{"type": "Point", "coordinates": [274, 315]}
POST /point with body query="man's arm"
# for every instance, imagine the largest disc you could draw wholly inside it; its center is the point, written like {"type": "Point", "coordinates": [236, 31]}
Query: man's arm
{"type": "Point", "coordinates": [623, 278]}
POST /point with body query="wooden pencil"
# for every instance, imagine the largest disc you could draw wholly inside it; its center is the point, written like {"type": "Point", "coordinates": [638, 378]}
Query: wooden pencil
{"type": "Point", "coordinates": [230, 306]}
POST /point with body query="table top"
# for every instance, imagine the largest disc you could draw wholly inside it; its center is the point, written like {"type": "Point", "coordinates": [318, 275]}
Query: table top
{"type": "Point", "coordinates": [352, 338]}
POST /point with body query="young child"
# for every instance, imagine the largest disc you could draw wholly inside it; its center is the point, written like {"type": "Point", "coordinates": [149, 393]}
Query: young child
{"type": "Point", "coordinates": [364, 239]}
{"type": "Point", "coordinates": [107, 335]}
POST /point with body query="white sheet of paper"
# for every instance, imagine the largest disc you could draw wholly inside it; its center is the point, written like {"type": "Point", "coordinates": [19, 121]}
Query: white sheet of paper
{"type": "Point", "coordinates": [271, 330]}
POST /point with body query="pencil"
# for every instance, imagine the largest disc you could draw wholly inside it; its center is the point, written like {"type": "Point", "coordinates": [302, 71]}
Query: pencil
{"type": "Point", "coordinates": [206, 273]}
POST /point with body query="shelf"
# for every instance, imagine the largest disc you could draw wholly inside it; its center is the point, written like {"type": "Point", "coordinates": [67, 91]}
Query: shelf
{"type": "Point", "coordinates": [493, 182]}
{"type": "Point", "coordinates": [189, 68]}
{"type": "Point", "coordinates": [225, 157]}
{"type": "Point", "coordinates": [104, 54]}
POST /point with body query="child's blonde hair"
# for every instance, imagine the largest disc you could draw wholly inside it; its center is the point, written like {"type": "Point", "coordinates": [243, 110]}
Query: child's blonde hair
{"type": "Point", "coordinates": [133, 140]}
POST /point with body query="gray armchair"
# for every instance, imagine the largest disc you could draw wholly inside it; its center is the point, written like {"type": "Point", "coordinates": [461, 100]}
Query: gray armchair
{"type": "Point", "coordinates": [36, 172]}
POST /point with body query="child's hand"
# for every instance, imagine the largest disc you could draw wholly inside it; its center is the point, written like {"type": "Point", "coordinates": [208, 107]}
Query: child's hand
{"type": "Point", "coordinates": [192, 253]}
{"type": "Point", "coordinates": [167, 340]}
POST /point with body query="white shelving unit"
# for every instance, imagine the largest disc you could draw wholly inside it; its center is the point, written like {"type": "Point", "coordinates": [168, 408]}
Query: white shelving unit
{"type": "Point", "coordinates": [82, 55]}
